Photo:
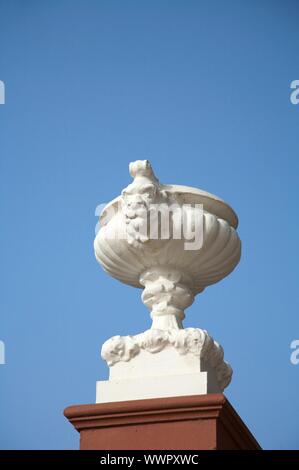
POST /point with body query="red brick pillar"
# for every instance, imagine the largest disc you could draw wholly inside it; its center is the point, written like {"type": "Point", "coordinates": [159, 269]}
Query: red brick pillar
{"type": "Point", "coordinates": [199, 422]}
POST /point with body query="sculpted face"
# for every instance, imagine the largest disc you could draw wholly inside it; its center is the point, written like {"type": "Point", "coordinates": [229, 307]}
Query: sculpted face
{"type": "Point", "coordinates": [136, 201]}
{"type": "Point", "coordinates": [194, 340]}
{"type": "Point", "coordinates": [139, 195]}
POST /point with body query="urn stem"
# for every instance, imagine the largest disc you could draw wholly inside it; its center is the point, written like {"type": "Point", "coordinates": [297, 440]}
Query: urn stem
{"type": "Point", "coordinates": [166, 322]}
{"type": "Point", "coordinates": [166, 295]}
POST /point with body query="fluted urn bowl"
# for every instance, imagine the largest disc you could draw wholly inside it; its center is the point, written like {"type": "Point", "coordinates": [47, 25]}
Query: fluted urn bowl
{"type": "Point", "coordinates": [171, 240]}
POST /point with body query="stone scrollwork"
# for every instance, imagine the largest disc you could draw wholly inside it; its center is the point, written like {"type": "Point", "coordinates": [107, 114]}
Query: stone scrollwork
{"type": "Point", "coordinates": [186, 341]}
{"type": "Point", "coordinates": [190, 340]}
{"type": "Point", "coordinates": [153, 340]}
{"type": "Point", "coordinates": [119, 348]}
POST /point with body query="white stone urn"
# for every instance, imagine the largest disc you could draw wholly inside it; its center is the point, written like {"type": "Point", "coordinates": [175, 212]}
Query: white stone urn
{"type": "Point", "coordinates": [171, 241]}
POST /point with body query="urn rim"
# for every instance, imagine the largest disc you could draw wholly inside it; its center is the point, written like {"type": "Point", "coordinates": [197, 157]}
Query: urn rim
{"type": "Point", "coordinates": [190, 195]}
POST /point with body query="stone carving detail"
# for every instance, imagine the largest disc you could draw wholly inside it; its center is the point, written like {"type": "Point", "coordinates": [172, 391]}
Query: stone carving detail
{"type": "Point", "coordinates": [119, 348]}
{"type": "Point", "coordinates": [191, 340]}
{"type": "Point", "coordinates": [186, 341]}
{"type": "Point", "coordinates": [130, 256]}
{"type": "Point", "coordinates": [153, 340]}
{"type": "Point", "coordinates": [169, 271]}
{"type": "Point", "coordinates": [166, 295]}
{"type": "Point", "coordinates": [138, 200]}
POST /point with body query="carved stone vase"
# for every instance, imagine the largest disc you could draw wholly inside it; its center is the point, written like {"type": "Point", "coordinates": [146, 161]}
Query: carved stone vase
{"type": "Point", "coordinates": [171, 241]}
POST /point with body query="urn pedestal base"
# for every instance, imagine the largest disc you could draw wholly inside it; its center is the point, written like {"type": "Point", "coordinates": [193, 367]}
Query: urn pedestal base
{"type": "Point", "coordinates": [199, 422]}
{"type": "Point", "coordinates": [162, 363]}
{"type": "Point", "coordinates": [140, 388]}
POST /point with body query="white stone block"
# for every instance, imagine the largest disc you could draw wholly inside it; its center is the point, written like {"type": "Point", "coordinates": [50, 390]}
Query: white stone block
{"type": "Point", "coordinates": [139, 388]}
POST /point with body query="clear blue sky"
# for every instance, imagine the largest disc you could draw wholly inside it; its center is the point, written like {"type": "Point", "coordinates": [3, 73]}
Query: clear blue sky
{"type": "Point", "coordinates": [202, 89]}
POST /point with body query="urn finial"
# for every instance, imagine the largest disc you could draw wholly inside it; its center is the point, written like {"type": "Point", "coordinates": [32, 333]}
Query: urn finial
{"type": "Point", "coordinates": [142, 168]}
{"type": "Point", "coordinates": [166, 360]}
